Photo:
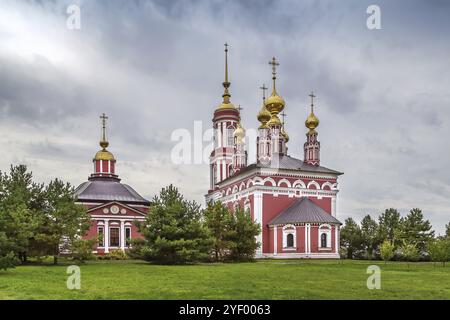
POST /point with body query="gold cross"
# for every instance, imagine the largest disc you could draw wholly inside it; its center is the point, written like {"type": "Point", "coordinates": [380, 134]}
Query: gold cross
{"type": "Point", "coordinates": [312, 97]}
{"type": "Point", "coordinates": [264, 88]}
{"type": "Point", "coordinates": [274, 65]}
{"type": "Point", "coordinates": [104, 118]}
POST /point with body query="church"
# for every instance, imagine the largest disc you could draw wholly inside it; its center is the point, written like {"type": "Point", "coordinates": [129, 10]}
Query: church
{"type": "Point", "coordinates": [293, 200]}
{"type": "Point", "coordinates": [113, 206]}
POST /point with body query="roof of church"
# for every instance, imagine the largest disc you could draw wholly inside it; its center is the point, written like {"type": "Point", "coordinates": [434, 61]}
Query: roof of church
{"type": "Point", "coordinates": [287, 163]}
{"type": "Point", "coordinates": [290, 163]}
{"type": "Point", "coordinates": [108, 189]}
{"type": "Point", "coordinates": [306, 211]}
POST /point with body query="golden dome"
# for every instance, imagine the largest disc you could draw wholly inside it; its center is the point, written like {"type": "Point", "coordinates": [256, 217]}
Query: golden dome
{"type": "Point", "coordinates": [226, 105]}
{"type": "Point", "coordinates": [274, 121]}
{"type": "Point", "coordinates": [274, 103]}
{"type": "Point", "coordinates": [284, 134]}
{"type": "Point", "coordinates": [104, 155]}
{"type": "Point", "coordinates": [264, 116]}
{"type": "Point", "coordinates": [312, 122]}
{"type": "Point", "coordinates": [239, 133]}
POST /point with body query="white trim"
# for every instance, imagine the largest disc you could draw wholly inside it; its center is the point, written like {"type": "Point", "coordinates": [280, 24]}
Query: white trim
{"type": "Point", "coordinates": [275, 240]}
{"type": "Point", "coordinates": [327, 232]}
{"type": "Point", "coordinates": [296, 255]}
{"type": "Point", "coordinates": [286, 181]}
{"type": "Point", "coordinates": [313, 182]}
{"type": "Point", "coordinates": [106, 233]}
{"type": "Point", "coordinates": [122, 235]}
{"type": "Point", "coordinates": [289, 229]}
{"type": "Point", "coordinates": [257, 216]}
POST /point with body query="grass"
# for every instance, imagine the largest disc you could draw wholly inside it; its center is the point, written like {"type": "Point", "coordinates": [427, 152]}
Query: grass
{"type": "Point", "coordinates": [271, 279]}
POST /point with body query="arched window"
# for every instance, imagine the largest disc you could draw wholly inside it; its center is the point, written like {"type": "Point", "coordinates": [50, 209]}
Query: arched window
{"type": "Point", "coordinates": [323, 240]}
{"type": "Point", "coordinates": [230, 136]}
{"type": "Point", "coordinates": [289, 240]}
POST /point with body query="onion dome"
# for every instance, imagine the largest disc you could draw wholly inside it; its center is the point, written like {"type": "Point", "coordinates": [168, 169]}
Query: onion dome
{"type": "Point", "coordinates": [275, 103]}
{"type": "Point", "coordinates": [312, 122]}
{"type": "Point", "coordinates": [274, 121]}
{"type": "Point", "coordinates": [104, 154]}
{"type": "Point", "coordinates": [239, 133]}
{"type": "Point", "coordinates": [264, 116]}
{"type": "Point", "coordinates": [284, 134]}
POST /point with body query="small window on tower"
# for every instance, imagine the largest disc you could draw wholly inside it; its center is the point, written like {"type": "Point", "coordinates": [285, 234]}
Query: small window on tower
{"type": "Point", "coordinates": [230, 136]}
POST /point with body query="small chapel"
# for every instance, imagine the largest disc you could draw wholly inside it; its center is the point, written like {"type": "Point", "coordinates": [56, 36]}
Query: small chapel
{"type": "Point", "coordinates": [293, 200]}
{"type": "Point", "coordinates": [113, 206]}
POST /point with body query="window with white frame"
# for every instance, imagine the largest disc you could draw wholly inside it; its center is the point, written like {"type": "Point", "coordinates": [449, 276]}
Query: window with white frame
{"type": "Point", "coordinates": [289, 237]}
{"type": "Point", "coordinates": [101, 236]}
{"type": "Point", "coordinates": [127, 236]}
{"type": "Point", "coordinates": [325, 236]}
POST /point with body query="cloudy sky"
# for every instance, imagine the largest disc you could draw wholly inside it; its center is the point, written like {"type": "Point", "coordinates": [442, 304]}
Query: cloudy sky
{"type": "Point", "coordinates": [154, 67]}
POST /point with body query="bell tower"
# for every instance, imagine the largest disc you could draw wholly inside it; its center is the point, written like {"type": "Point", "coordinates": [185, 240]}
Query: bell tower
{"type": "Point", "coordinates": [312, 145]}
{"type": "Point", "coordinates": [225, 122]}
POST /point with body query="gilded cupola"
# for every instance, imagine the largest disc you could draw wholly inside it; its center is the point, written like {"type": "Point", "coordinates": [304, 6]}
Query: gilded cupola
{"type": "Point", "coordinates": [104, 154]}
{"type": "Point", "coordinates": [275, 103]}
{"type": "Point", "coordinates": [264, 114]}
{"type": "Point", "coordinates": [312, 122]}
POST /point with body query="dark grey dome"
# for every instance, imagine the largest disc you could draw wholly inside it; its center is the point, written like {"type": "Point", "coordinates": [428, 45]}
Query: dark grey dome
{"type": "Point", "coordinates": [108, 189]}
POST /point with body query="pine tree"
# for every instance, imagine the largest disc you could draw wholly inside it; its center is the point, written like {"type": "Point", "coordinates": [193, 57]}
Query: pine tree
{"type": "Point", "coordinates": [389, 223]}
{"type": "Point", "coordinates": [415, 230]}
{"type": "Point", "coordinates": [370, 236]}
{"type": "Point", "coordinates": [219, 220]}
{"type": "Point", "coordinates": [61, 222]}
{"type": "Point", "coordinates": [174, 231]}
{"type": "Point", "coordinates": [447, 230]}
{"type": "Point", "coordinates": [351, 238]}
{"type": "Point", "coordinates": [20, 199]}
{"type": "Point", "coordinates": [243, 236]}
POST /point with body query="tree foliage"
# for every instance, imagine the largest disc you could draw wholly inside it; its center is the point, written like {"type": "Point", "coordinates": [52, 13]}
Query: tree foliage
{"type": "Point", "coordinates": [387, 250]}
{"type": "Point", "coordinates": [351, 238]}
{"type": "Point", "coordinates": [36, 219]}
{"type": "Point", "coordinates": [414, 230]}
{"type": "Point", "coordinates": [243, 236]}
{"type": "Point", "coordinates": [439, 250]}
{"type": "Point", "coordinates": [173, 230]}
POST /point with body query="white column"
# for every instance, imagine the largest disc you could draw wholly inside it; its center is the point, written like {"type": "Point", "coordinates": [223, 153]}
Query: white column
{"type": "Point", "coordinates": [275, 240]}
{"type": "Point", "coordinates": [106, 242]}
{"type": "Point", "coordinates": [122, 235]}
{"type": "Point", "coordinates": [308, 238]}
{"type": "Point", "coordinates": [336, 238]}
{"type": "Point", "coordinates": [333, 206]}
{"type": "Point", "coordinates": [257, 217]}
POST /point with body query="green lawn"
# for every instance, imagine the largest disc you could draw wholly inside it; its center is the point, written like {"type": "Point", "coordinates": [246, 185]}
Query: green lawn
{"type": "Point", "coordinates": [271, 279]}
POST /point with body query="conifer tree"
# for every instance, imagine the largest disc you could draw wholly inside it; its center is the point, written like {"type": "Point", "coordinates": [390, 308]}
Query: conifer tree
{"type": "Point", "coordinates": [219, 219]}
{"type": "Point", "coordinates": [243, 236]}
{"type": "Point", "coordinates": [174, 231]}
{"type": "Point", "coordinates": [413, 229]}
